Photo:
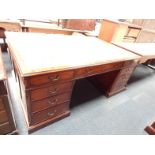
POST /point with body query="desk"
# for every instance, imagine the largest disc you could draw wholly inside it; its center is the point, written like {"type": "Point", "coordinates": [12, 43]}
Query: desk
{"type": "Point", "coordinates": [116, 31]}
{"type": "Point", "coordinates": [40, 27]}
{"type": "Point", "coordinates": [47, 66]}
{"type": "Point", "coordinates": [145, 50]}
{"type": "Point", "coordinates": [7, 125]}
{"type": "Point", "coordinates": [10, 25]}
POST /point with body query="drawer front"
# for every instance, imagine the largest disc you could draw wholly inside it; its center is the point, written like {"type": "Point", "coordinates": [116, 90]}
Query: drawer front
{"type": "Point", "coordinates": [3, 117]}
{"type": "Point", "coordinates": [1, 104]}
{"type": "Point", "coordinates": [51, 78]}
{"type": "Point", "coordinates": [50, 102]}
{"type": "Point", "coordinates": [80, 73]}
{"type": "Point", "coordinates": [50, 91]}
{"type": "Point", "coordinates": [5, 128]}
{"type": "Point", "coordinates": [49, 113]}
{"type": "Point", "coordinates": [98, 69]}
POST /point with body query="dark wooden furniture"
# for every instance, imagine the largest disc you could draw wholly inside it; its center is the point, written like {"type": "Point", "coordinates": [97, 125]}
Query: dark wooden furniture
{"type": "Point", "coordinates": [150, 129]}
{"type": "Point", "coordinates": [7, 125]}
{"type": "Point", "coordinates": [47, 66]}
{"type": "Point", "coordinates": [79, 24]}
{"type": "Point", "coordinates": [10, 25]}
{"type": "Point", "coordinates": [49, 28]}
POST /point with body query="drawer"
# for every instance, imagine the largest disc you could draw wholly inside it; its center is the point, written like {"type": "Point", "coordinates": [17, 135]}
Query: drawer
{"type": "Point", "coordinates": [50, 102]}
{"type": "Point", "coordinates": [49, 113]}
{"type": "Point", "coordinates": [80, 73]}
{"type": "Point", "coordinates": [51, 78]}
{"type": "Point", "coordinates": [3, 117]}
{"type": "Point", "coordinates": [98, 69]}
{"type": "Point", "coordinates": [1, 104]}
{"type": "Point", "coordinates": [50, 91]}
{"type": "Point", "coordinates": [5, 128]}
{"type": "Point", "coordinates": [104, 68]}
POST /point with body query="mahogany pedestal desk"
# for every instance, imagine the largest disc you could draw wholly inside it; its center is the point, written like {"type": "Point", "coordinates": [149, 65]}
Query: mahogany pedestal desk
{"type": "Point", "coordinates": [7, 125]}
{"type": "Point", "coordinates": [47, 66]}
{"type": "Point", "coordinates": [145, 50]}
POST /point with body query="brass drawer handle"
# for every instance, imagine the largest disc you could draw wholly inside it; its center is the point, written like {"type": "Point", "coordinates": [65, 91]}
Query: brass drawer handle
{"type": "Point", "coordinates": [53, 102]}
{"type": "Point", "coordinates": [51, 92]}
{"type": "Point", "coordinates": [51, 113]}
{"type": "Point", "coordinates": [56, 78]}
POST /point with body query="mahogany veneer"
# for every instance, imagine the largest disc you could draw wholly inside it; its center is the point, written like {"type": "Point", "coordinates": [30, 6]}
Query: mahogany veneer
{"type": "Point", "coordinates": [47, 66]}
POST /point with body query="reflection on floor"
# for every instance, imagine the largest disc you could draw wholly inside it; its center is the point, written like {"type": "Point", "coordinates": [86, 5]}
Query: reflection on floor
{"type": "Point", "coordinates": [128, 112]}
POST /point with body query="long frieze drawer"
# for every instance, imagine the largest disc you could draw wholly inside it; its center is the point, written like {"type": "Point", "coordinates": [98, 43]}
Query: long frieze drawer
{"type": "Point", "coordinates": [98, 69]}
{"type": "Point", "coordinates": [50, 102]}
{"type": "Point", "coordinates": [50, 78]}
{"type": "Point", "coordinates": [3, 117]}
{"type": "Point", "coordinates": [49, 113]}
{"type": "Point", "coordinates": [1, 104]}
{"type": "Point", "coordinates": [5, 128]}
{"type": "Point", "coordinates": [80, 73]}
{"type": "Point", "coordinates": [50, 91]}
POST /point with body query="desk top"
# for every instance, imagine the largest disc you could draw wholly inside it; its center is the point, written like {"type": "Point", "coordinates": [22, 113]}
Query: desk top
{"type": "Point", "coordinates": [38, 53]}
{"type": "Point", "coordinates": [2, 71]}
{"type": "Point", "coordinates": [142, 49]}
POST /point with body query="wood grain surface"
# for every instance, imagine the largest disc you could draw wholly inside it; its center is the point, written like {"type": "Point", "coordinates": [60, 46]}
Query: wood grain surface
{"type": "Point", "coordinates": [35, 53]}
